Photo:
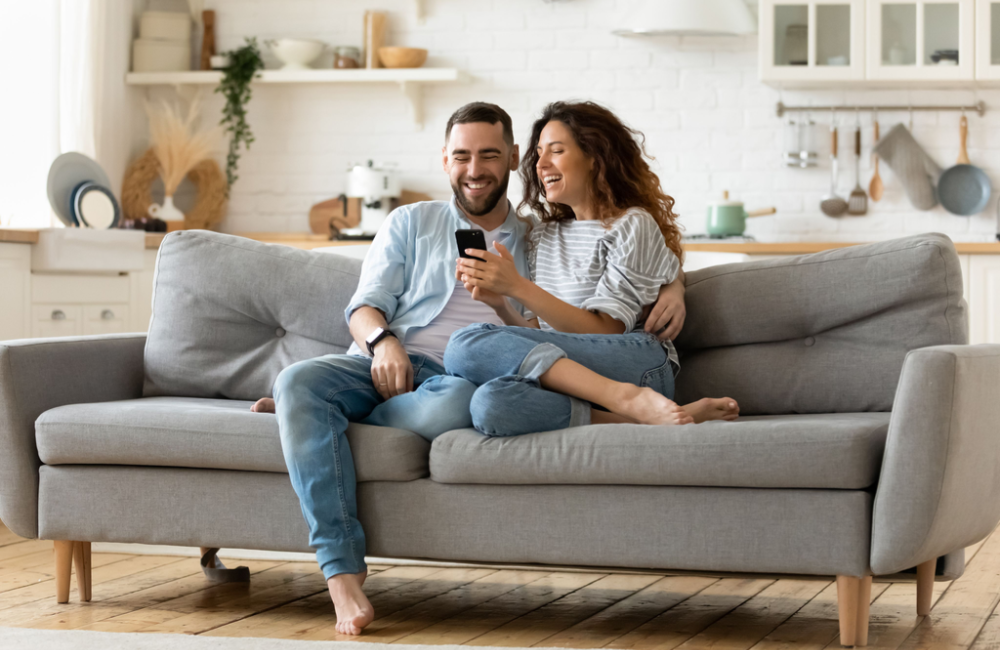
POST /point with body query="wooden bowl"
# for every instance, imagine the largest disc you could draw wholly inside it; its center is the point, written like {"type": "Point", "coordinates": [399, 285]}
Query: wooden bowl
{"type": "Point", "coordinates": [402, 57]}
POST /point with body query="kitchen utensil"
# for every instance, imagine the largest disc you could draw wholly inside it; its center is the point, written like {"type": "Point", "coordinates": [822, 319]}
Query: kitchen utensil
{"type": "Point", "coordinates": [727, 218]}
{"type": "Point", "coordinates": [964, 189]}
{"type": "Point", "coordinates": [800, 144]}
{"type": "Point", "coordinates": [875, 188]}
{"type": "Point", "coordinates": [296, 53]}
{"type": "Point", "coordinates": [66, 173]}
{"type": "Point", "coordinates": [858, 202]}
{"type": "Point", "coordinates": [94, 206]}
{"type": "Point", "coordinates": [402, 57]}
{"type": "Point", "coordinates": [207, 39]}
{"type": "Point", "coordinates": [912, 166]}
{"type": "Point", "coordinates": [376, 188]}
{"type": "Point", "coordinates": [374, 37]}
{"type": "Point", "coordinates": [832, 205]}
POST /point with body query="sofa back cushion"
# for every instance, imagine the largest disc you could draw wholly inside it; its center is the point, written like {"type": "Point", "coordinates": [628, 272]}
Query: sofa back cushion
{"type": "Point", "coordinates": [230, 313]}
{"type": "Point", "coordinates": [822, 333]}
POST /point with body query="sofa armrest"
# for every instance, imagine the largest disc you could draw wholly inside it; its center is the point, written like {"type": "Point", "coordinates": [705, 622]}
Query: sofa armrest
{"type": "Point", "coordinates": [939, 490]}
{"type": "Point", "coordinates": [40, 374]}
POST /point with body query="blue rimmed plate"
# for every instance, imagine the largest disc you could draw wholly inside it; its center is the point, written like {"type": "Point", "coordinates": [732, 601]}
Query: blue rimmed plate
{"type": "Point", "coordinates": [67, 172]}
{"type": "Point", "coordinates": [94, 206]}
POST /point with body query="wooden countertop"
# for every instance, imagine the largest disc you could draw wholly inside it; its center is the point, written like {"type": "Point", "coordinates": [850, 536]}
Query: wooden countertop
{"type": "Point", "coordinates": [307, 241]}
{"type": "Point", "coordinates": [13, 236]}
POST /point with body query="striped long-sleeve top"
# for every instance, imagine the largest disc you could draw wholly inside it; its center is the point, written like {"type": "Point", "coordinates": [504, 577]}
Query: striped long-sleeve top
{"type": "Point", "coordinates": [616, 270]}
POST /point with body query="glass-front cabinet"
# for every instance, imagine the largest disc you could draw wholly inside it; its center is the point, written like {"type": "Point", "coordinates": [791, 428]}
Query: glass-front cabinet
{"type": "Point", "coordinates": [812, 40]}
{"type": "Point", "coordinates": [987, 39]}
{"type": "Point", "coordinates": [914, 40]}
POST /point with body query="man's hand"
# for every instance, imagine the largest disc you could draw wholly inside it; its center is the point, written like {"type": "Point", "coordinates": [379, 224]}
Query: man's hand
{"type": "Point", "coordinates": [392, 371]}
{"type": "Point", "coordinates": [496, 273]}
{"type": "Point", "coordinates": [668, 313]}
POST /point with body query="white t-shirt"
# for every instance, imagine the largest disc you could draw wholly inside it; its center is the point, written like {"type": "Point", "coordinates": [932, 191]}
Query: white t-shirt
{"type": "Point", "coordinates": [460, 311]}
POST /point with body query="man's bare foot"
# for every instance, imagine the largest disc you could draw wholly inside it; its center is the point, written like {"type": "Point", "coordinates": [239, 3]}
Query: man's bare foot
{"type": "Point", "coordinates": [713, 408]}
{"type": "Point", "coordinates": [263, 405]}
{"type": "Point", "coordinates": [598, 416]}
{"type": "Point", "coordinates": [646, 406]}
{"type": "Point", "coordinates": [354, 611]}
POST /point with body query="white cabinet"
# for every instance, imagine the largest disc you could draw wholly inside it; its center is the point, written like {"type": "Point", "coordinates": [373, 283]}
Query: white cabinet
{"type": "Point", "coordinates": [917, 40]}
{"type": "Point", "coordinates": [987, 39]}
{"type": "Point", "coordinates": [984, 299]}
{"type": "Point", "coordinates": [808, 43]}
{"type": "Point", "coordinates": [812, 40]}
{"type": "Point", "coordinates": [15, 287]}
{"type": "Point", "coordinates": [80, 304]}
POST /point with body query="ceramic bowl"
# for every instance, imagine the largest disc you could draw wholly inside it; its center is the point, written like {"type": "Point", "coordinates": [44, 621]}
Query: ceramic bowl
{"type": "Point", "coordinates": [402, 57]}
{"type": "Point", "coordinates": [296, 53]}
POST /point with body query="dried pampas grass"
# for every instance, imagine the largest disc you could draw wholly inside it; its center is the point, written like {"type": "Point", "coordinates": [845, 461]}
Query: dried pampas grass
{"type": "Point", "coordinates": [178, 147]}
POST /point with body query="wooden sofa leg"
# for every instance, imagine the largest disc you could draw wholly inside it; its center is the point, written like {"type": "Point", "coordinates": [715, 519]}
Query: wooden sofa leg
{"type": "Point", "coordinates": [853, 603]}
{"type": "Point", "coordinates": [925, 586]}
{"type": "Point", "coordinates": [81, 561]}
{"type": "Point", "coordinates": [64, 565]}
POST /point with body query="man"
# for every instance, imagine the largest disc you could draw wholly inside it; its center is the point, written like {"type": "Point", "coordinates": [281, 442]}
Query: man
{"type": "Point", "coordinates": [407, 305]}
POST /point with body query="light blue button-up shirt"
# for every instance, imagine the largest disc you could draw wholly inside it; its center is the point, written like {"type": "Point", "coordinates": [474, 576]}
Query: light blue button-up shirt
{"type": "Point", "coordinates": [409, 272]}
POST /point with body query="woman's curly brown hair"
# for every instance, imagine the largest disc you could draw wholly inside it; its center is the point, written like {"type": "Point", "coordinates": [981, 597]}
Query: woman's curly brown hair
{"type": "Point", "coordinates": [621, 176]}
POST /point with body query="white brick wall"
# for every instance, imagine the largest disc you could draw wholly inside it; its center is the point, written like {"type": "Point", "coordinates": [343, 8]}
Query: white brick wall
{"type": "Point", "coordinates": [709, 123]}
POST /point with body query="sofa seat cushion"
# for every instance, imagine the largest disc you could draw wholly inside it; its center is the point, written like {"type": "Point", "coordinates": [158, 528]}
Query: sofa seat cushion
{"type": "Point", "coordinates": [839, 451]}
{"type": "Point", "coordinates": [206, 433]}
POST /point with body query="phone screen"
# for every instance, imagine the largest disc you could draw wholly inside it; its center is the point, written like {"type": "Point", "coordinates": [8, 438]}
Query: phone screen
{"type": "Point", "coordinates": [470, 239]}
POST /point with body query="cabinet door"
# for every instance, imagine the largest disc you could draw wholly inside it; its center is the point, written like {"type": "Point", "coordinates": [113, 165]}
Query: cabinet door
{"type": "Point", "coordinates": [15, 284]}
{"type": "Point", "coordinates": [106, 319]}
{"type": "Point", "coordinates": [921, 40]}
{"type": "Point", "coordinates": [55, 320]}
{"type": "Point", "coordinates": [984, 299]}
{"type": "Point", "coordinates": [811, 40]}
{"type": "Point", "coordinates": [987, 39]}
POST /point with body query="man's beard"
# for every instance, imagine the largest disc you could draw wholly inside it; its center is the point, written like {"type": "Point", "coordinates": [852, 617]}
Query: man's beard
{"type": "Point", "coordinates": [488, 203]}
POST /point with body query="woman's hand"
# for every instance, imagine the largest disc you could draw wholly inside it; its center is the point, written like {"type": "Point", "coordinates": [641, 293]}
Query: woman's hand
{"type": "Point", "coordinates": [668, 313]}
{"type": "Point", "coordinates": [494, 273]}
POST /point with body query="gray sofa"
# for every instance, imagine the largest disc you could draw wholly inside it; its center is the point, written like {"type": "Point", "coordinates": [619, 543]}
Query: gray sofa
{"type": "Point", "coordinates": [867, 446]}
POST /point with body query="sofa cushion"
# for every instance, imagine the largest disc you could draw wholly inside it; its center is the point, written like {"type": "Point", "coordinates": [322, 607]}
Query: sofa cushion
{"type": "Point", "coordinates": [822, 333]}
{"type": "Point", "coordinates": [229, 314]}
{"type": "Point", "coordinates": [840, 451]}
{"type": "Point", "coordinates": [206, 433]}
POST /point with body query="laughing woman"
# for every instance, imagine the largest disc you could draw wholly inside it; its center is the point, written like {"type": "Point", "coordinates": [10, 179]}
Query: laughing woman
{"type": "Point", "coordinates": [603, 242]}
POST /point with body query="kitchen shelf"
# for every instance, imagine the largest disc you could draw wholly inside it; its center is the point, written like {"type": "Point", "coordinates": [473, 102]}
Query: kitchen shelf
{"type": "Point", "coordinates": [409, 80]}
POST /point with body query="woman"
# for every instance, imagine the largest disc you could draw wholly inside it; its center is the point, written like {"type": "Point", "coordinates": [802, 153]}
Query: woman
{"type": "Point", "coordinates": [604, 241]}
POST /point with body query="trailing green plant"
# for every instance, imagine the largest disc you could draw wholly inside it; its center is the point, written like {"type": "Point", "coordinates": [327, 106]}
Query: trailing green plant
{"type": "Point", "coordinates": [244, 62]}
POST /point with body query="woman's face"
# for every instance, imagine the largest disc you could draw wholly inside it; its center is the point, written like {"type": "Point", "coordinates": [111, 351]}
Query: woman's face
{"type": "Point", "coordinates": [562, 167]}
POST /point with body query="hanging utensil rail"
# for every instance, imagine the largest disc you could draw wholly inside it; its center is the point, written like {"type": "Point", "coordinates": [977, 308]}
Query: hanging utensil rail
{"type": "Point", "coordinates": [978, 108]}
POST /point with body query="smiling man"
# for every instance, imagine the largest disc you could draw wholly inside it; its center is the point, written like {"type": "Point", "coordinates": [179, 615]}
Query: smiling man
{"type": "Point", "coordinates": [406, 307]}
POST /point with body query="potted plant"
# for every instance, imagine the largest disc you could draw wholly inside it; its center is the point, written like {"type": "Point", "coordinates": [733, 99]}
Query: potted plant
{"type": "Point", "coordinates": [244, 63]}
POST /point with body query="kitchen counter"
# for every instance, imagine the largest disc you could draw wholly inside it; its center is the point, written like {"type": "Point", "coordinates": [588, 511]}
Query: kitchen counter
{"type": "Point", "coordinates": [308, 241]}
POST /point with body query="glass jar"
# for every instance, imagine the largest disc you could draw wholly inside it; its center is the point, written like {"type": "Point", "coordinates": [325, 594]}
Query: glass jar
{"type": "Point", "coordinates": [347, 57]}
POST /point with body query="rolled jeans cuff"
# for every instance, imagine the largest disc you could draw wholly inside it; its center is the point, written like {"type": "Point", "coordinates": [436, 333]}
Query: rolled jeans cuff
{"type": "Point", "coordinates": [538, 362]}
{"type": "Point", "coordinates": [579, 415]}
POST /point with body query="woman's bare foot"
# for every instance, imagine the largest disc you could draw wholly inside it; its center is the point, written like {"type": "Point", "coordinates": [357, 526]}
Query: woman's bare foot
{"type": "Point", "coordinates": [713, 408]}
{"type": "Point", "coordinates": [354, 611]}
{"type": "Point", "coordinates": [263, 405]}
{"type": "Point", "coordinates": [646, 406]}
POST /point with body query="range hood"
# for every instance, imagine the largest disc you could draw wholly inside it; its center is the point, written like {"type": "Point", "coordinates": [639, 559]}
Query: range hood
{"type": "Point", "coordinates": [690, 18]}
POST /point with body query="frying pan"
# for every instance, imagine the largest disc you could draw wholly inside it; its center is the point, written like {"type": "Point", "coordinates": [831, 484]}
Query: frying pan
{"type": "Point", "coordinates": [964, 189]}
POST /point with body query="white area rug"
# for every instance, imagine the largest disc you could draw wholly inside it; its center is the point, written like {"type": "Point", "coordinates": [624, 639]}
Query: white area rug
{"type": "Point", "coordinates": [13, 637]}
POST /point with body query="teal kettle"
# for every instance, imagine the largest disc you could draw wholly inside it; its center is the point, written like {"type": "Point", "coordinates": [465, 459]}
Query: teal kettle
{"type": "Point", "coordinates": [727, 218]}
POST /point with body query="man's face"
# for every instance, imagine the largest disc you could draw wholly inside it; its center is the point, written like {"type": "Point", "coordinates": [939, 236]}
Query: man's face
{"type": "Point", "coordinates": [479, 164]}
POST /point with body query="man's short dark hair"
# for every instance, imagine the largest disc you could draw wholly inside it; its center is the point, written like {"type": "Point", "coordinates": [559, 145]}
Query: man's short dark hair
{"type": "Point", "coordinates": [482, 112]}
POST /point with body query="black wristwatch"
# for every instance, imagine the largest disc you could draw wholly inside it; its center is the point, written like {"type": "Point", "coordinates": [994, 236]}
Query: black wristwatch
{"type": "Point", "coordinates": [376, 337]}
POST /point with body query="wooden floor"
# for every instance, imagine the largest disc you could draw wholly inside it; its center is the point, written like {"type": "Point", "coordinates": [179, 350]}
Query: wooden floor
{"type": "Point", "coordinates": [476, 607]}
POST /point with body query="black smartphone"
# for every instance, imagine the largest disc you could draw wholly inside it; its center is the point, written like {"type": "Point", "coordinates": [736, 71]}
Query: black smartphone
{"type": "Point", "coordinates": [471, 238]}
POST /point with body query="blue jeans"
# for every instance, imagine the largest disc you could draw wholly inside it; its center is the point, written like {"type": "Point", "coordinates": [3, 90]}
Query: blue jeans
{"type": "Point", "coordinates": [506, 363]}
{"type": "Point", "coordinates": [315, 400]}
